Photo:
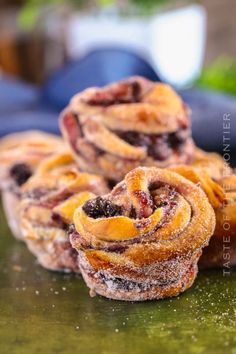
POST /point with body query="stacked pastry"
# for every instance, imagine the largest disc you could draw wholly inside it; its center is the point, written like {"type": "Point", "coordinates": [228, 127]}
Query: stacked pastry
{"type": "Point", "coordinates": [142, 239]}
{"type": "Point", "coordinates": [125, 125]}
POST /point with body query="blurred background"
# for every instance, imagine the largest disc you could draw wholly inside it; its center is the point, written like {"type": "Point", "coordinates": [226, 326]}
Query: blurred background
{"type": "Point", "coordinates": [51, 49]}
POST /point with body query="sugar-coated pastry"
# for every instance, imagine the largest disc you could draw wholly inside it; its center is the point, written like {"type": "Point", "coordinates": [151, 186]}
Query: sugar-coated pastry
{"type": "Point", "coordinates": [221, 194]}
{"type": "Point", "coordinates": [20, 154]}
{"type": "Point", "coordinates": [212, 162]}
{"type": "Point", "coordinates": [202, 178]}
{"type": "Point", "coordinates": [49, 199]}
{"type": "Point", "coordinates": [221, 251]}
{"type": "Point", "coordinates": [142, 241]}
{"type": "Point", "coordinates": [131, 123]}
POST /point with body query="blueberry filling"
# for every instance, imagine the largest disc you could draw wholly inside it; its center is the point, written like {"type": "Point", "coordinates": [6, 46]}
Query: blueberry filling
{"type": "Point", "coordinates": [60, 222]}
{"type": "Point", "coordinates": [123, 284]}
{"type": "Point", "coordinates": [36, 193]}
{"type": "Point", "coordinates": [158, 146]}
{"type": "Point", "coordinates": [116, 94]}
{"type": "Point", "coordinates": [99, 207]}
{"type": "Point", "coordinates": [20, 173]}
{"type": "Point", "coordinates": [163, 196]}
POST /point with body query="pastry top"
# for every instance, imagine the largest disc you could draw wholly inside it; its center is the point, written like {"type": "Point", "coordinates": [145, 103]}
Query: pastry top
{"type": "Point", "coordinates": [131, 123]}
{"type": "Point", "coordinates": [59, 172]}
{"type": "Point", "coordinates": [134, 104]}
{"type": "Point", "coordinates": [20, 154]}
{"type": "Point", "coordinates": [200, 175]}
{"type": "Point", "coordinates": [228, 183]}
{"type": "Point", "coordinates": [212, 162]}
{"type": "Point", "coordinates": [152, 215]}
{"type": "Point", "coordinates": [226, 214]}
{"type": "Point", "coordinates": [57, 188]}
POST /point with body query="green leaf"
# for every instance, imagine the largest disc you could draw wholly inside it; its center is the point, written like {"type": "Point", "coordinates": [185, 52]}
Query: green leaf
{"type": "Point", "coordinates": [104, 3]}
{"type": "Point", "coordinates": [28, 16]}
{"type": "Point", "coordinates": [220, 75]}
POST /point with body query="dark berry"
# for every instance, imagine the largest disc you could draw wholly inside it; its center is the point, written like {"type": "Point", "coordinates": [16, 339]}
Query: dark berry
{"type": "Point", "coordinates": [20, 173]}
{"type": "Point", "coordinates": [178, 138]}
{"type": "Point", "coordinates": [99, 207]}
{"type": "Point", "coordinates": [123, 92]}
{"type": "Point", "coordinates": [159, 146]}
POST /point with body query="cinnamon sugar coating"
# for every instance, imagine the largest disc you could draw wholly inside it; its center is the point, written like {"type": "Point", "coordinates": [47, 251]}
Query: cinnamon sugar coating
{"type": "Point", "coordinates": [131, 123]}
{"type": "Point", "coordinates": [20, 154]}
{"type": "Point", "coordinates": [151, 249]}
{"type": "Point", "coordinates": [46, 210]}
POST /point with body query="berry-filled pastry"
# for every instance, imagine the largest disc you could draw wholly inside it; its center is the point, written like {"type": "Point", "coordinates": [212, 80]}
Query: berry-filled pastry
{"type": "Point", "coordinates": [20, 154]}
{"type": "Point", "coordinates": [201, 176]}
{"type": "Point", "coordinates": [221, 194]}
{"type": "Point", "coordinates": [49, 199]}
{"type": "Point", "coordinates": [212, 162]}
{"type": "Point", "coordinates": [221, 251]}
{"type": "Point", "coordinates": [131, 123]}
{"type": "Point", "coordinates": [142, 241]}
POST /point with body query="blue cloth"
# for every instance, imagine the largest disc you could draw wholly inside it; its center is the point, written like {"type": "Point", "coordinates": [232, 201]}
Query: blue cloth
{"type": "Point", "coordinates": [29, 119]}
{"type": "Point", "coordinates": [16, 95]}
{"type": "Point", "coordinates": [97, 68]}
{"type": "Point", "coordinates": [208, 109]}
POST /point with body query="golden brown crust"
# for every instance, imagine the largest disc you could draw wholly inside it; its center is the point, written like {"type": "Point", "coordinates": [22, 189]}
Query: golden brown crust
{"type": "Point", "coordinates": [198, 175]}
{"type": "Point", "coordinates": [112, 288]}
{"type": "Point", "coordinates": [156, 109]}
{"type": "Point", "coordinates": [22, 151]}
{"type": "Point", "coordinates": [161, 225]}
{"type": "Point", "coordinates": [59, 172]}
{"type": "Point", "coordinates": [49, 199]}
{"type": "Point", "coordinates": [28, 147]}
{"type": "Point", "coordinates": [228, 210]}
{"type": "Point", "coordinates": [212, 162]}
{"type": "Point", "coordinates": [98, 122]}
{"type": "Point", "coordinates": [222, 247]}
{"type": "Point", "coordinates": [222, 196]}
{"type": "Point", "coordinates": [57, 255]}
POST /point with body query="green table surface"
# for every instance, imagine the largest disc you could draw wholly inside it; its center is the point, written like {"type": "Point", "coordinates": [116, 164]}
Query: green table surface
{"type": "Point", "coordinates": [46, 312]}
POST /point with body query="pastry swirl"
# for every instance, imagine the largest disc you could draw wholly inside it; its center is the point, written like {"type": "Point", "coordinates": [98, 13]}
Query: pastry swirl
{"type": "Point", "coordinates": [143, 240]}
{"type": "Point", "coordinates": [212, 163]}
{"type": "Point", "coordinates": [20, 154]}
{"type": "Point", "coordinates": [222, 196]}
{"type": "Point", "coordinates": [48, 202]}
{"type": "Point", "coordinates": [124, 125]}
{"type": "Point", "coordinates": [201, 176]}
{"type": "Point", "coordinates": [221, 251]}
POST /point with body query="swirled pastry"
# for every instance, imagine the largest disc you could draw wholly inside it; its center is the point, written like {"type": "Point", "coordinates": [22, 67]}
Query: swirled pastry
{"type": "Point", "coordinates": [221, 194]}
{"type": "Point", "coordinates": [211, 162]}
{"type": "Point", "coordinates": [143, 240]}
{"type": "Point", "coordinates": [20, 154]}
{"type": "Point", "coordinates": [221, 251]}
{"type": "Point", "coordinates": [127, 124]}
{"type": "Point", "coordinates": [48, 202]}
{"type": "Point", "coordinates": [202, 178]}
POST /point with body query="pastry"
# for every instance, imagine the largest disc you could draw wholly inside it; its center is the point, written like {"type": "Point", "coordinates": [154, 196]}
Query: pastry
{"type": "Point", "coordinates": [142, 241]}
{"type": "Point", "coordinates": [221, 251]}
{"type": "Point", "coordinates": [131, 123]}
{"type": "Point", "coordinates": [211, 162]}
{"type": "Point", "coordinates": [20, 154]}
{"type": "Point", "coordinates": [201, 176]}
{"type": "Point", "coordinates": [48, 201]}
